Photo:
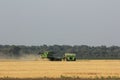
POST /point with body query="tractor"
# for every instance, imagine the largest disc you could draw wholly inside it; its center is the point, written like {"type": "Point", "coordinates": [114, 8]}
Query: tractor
{"type": "Point", "coordinates": [69, 57]}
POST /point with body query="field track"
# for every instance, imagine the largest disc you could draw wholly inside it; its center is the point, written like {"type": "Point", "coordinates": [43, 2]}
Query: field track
{"type": "Point", "coordinates": [82, 68]}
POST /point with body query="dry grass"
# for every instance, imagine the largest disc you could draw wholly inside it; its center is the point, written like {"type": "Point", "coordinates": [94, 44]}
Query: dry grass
{"type": "Point", "coordinates": [83, 68]}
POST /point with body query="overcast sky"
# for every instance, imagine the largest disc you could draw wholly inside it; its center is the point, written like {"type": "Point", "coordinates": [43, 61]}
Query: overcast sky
{"type": "Point", "coordinates": [62, 22]}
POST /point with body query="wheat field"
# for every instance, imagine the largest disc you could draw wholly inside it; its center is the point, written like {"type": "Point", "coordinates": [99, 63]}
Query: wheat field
{"type": "Point", "coordinates": [81, 68]}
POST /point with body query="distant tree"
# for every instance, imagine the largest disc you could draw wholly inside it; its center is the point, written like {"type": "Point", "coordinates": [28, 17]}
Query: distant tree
{"type": "Point", "coordinates": [83, 51]}
{"type": "Point", "coordinates": [15, 51]}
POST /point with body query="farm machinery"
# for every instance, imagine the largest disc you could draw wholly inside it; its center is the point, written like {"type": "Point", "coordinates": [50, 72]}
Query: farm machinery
{"type": "Point", "coordinates": [69, 57]}
{"type": "Point", "coordinates": [52, 56]}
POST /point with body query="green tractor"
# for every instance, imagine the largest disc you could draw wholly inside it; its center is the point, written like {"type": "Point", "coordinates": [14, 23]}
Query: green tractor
{"type": "Point", "coordinates": [70, 57]}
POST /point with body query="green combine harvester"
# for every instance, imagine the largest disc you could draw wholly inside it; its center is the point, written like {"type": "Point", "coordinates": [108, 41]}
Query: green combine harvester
{"type": "Point", "coordinates": [52, 56]}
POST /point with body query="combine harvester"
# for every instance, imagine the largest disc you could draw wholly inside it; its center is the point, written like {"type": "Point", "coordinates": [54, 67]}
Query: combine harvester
{"type": "Point", "coordinates": [52, 56]}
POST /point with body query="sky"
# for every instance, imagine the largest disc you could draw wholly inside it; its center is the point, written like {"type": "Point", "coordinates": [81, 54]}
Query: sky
{"type": "Point", "coordinates": [61, 22]}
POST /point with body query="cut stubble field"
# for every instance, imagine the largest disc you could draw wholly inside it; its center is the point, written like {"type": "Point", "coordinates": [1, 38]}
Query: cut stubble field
{"type": "Point", "coordinates": [81, 68]}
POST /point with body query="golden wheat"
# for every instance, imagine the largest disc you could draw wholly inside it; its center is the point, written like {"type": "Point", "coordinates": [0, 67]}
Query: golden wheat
{"type": "Point", "coordinates": [82, 68]}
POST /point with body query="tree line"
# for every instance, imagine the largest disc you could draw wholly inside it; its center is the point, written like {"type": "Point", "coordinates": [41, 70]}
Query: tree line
{"type": "Point", "coordinates": [82, 51]}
